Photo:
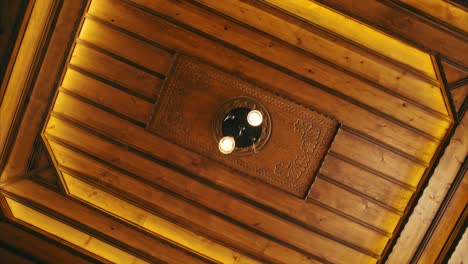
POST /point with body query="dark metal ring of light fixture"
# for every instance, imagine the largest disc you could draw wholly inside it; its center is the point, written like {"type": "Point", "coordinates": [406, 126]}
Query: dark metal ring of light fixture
{"type": "Point", "coordinates": [235, 105]}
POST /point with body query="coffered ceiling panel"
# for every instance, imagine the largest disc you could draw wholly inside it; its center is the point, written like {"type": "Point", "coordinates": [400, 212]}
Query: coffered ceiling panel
{"type": "Point", "coordinates": [137, 176]}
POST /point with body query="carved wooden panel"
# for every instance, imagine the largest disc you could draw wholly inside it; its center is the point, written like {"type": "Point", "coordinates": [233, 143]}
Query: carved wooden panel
{"type": "Point", "coordinates": [299, 141]}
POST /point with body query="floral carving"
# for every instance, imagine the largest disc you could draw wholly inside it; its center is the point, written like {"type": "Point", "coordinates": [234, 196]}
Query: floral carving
{"type": "Point", "coordinates": [293, 169]}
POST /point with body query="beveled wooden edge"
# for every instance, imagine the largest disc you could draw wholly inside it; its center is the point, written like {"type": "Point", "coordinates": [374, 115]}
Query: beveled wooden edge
{"type": "Point", "coordinates": [441, 212]}
{"type": "Point", "coordinates": [426, 18]}
{"type": "Point", "coordinates": [12, 50]}
{"type": "Point", "coordinates": [362, 48]}
{"type": "Point", "coordinates": [53, 243]}
{"type": "Point", "coordinates": [280, 68]}
{"type": "Point", "coordinates": [87, 228]}
{"type": "Point", "coordinates": [423, 183]}
{"type": "Point", "coordinates": [454, 238]}
{"type": "Point", "coordinates": [204, 181]}
{"type": "Point", "coordinates": [31, 70]}
{"type": "Point", "coordinates": [120, 195]}
{"type": "Point", "coordinates": [49, 213]}
{"type": "Point", "coordinates": [62, 23]}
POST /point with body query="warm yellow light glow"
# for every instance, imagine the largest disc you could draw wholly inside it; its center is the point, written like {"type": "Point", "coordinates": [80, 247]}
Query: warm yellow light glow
{"type": "Point", "coordinates": [70, 234]}
{"type": "Point", "coordinates": [227, 145]}
{"type": "Point", "coordinates": [152, 223]}
{"type": "Point", "coordinates": [359, 33]}
{"type": "Point", "coordinates": [255, 118]}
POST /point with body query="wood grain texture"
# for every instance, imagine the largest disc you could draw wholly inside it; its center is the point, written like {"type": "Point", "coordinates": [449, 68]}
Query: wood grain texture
{"type": "Point", "coordinates": [366, 182]}
{"type": "Point", "coordinates": [401, 23]}
{"type": "Point", "coordinates": [103, 224]}
{"type": "Point", "coordinates": [151, 145]}
{"type": "Point", "coordinates": [116, 71]}
{"type": "Point", "coordinates": [19, 83]}
{"type": "Point", "coordinates": [456, 202]}
{"type": "Point", "coordinates": [160, 201]}
{"type": "Point", "coordinates": [198, 218]}
{"type": "Point", "coordinates": [352, 60]}
{"type": "Point", "coordinates": [298, 237]}
{"type": "Point", "coordinates": [299, 140]}
{"type": "Point", "coordinates": [432, 196]}
{"type": "Point", "coordinates": [39, 247]}
{"type": "Point", "coordinates": [459, 96]}
{"type": "Point", "coordinates": [453, 74]}
{"type": "Point", "coordinates": [165, 33]}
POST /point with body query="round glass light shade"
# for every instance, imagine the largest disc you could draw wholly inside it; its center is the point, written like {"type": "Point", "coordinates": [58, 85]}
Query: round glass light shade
{"type": "Point", "coordinates": [227, 145]}
{"type": "Point", "coordinates": [254, 118]}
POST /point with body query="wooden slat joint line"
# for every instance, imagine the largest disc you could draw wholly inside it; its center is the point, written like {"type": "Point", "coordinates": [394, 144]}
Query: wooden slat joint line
{"type": "Point", "coordinates": [377, 142]}
{"type": "Point", "coordinates": [360, 194]}
{"type": "Point", "coordinates": [463, 108]}
{"type": "Point", "coordinates": [133, 176]}
{"type": "Point", "coordinates": [351, 218]}
{"type": "Point", "coordinates": [27, 175]}
{"type": "Point", "coordinates": [18, 251]}
{"type": "Point", "coordinates": [129, 33]}
{"type": "Point", "coordinates": [120, 58]}
{"type": "Point", "coordinates": [110, 83]}
{"type": "Point", "coordinates": [99, 106]}
{"type": "Point", "coordinates": [419, 74]}
{"type": "Point", "coordinates": [349, 72]}
{"type": "Point", "coordinates": [267, 209]}
{"type": "Point", "coordinates": [440, 212]}
{"type": "Point", "coordinates": [428, 19]}
{"type": "Point", "coordinates": [108, 190]}
{"type": "Point", "coordinates": [236, 222]}
{"type": "Point", "coordinates": [77, 225]}
{"type": "Point", "coordinates": [373, 171]}
{"type": "Point", "coordinates": [458, 84]}
{"type": "Point", "coordinates": [31, 76]}
{"type": "Point", "coordinates": [290, 72]}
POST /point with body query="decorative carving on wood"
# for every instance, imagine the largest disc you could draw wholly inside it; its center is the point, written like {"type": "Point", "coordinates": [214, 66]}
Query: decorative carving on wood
{"type": "Point", "coordinates": [187, 107]}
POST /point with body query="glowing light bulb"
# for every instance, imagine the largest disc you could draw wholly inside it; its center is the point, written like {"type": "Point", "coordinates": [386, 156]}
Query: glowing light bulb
{"type": "Point", "coordinates": [255, 118]}
{"type": "Point", "coordinates": [227, 145]}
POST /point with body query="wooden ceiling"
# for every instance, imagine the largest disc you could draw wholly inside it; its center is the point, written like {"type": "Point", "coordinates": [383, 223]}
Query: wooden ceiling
{"type": "Point", "coordinates": [84, 168]}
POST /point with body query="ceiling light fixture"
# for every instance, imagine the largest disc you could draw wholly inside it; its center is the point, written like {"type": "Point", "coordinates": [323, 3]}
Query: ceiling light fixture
{"type": "Point", "coordinates": [241, 126]}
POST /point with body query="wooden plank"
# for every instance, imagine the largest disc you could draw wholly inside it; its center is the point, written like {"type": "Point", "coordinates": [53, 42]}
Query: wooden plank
{"type": "Point", "coordinates": [168, 34]}
{"type": "Point", "coordinates": [398, 22]}
{"type": "Point", "coordinates": [459, 95]}
{"type": "Point", "coordinates": [452, 73]}
{"type": "Point", "coordinates": [152, 223]}
{"type": "Point", "coordinates": [24, 214]}
{"type": "Point", "coordinates": [354, 205]}
{"type": "Point", "coordinates": [347, 56]}
{"type": "Point", "coordinates": [419, 221]}
{"type": "Point", "coordinates": [454, 210]}
{"type": "Point", "coordinates": [358, 32]}
{"type": "Point", "coordinates": [146, 54]}
{"type": "Point", "coordinates": [128, 105]}
{"type": "Point", "coordinates": [443, 11]}
{"type": "Point", "coordinates": [308, 214]}
{"type": "Point", "coordinates": [198, 218]}
{"type": "Point", "coordinates": [292, 59]}
{"type": "Point", "coordinates": [116, 71]}
{"type": "Point", "coordinates": [8, 256]}
{"type": "Point", "coordinates": [302, 239]}
{"type": "Point", "coordinates": [366, 182]}
{"type": "Point", "coordinates": [97, 221]}
{"type": "Point", "coordinates": [378, 158]}
{"type": "Point", "coordinates": [38, 247]}
{"type": "Point", "coordinates": [19, 83]}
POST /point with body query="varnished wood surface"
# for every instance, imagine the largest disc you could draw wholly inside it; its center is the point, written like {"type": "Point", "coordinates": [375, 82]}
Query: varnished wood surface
{"type": "Point", "coordinates": [160, 197]}
{"type": "Point", "coordinates": [36, 247]}
{"type": "Point", "coordinates": [398, 21]}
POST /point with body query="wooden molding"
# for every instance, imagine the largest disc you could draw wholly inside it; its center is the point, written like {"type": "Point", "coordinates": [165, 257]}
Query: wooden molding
{"type": "Point", "coordinates": [34, 91]}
